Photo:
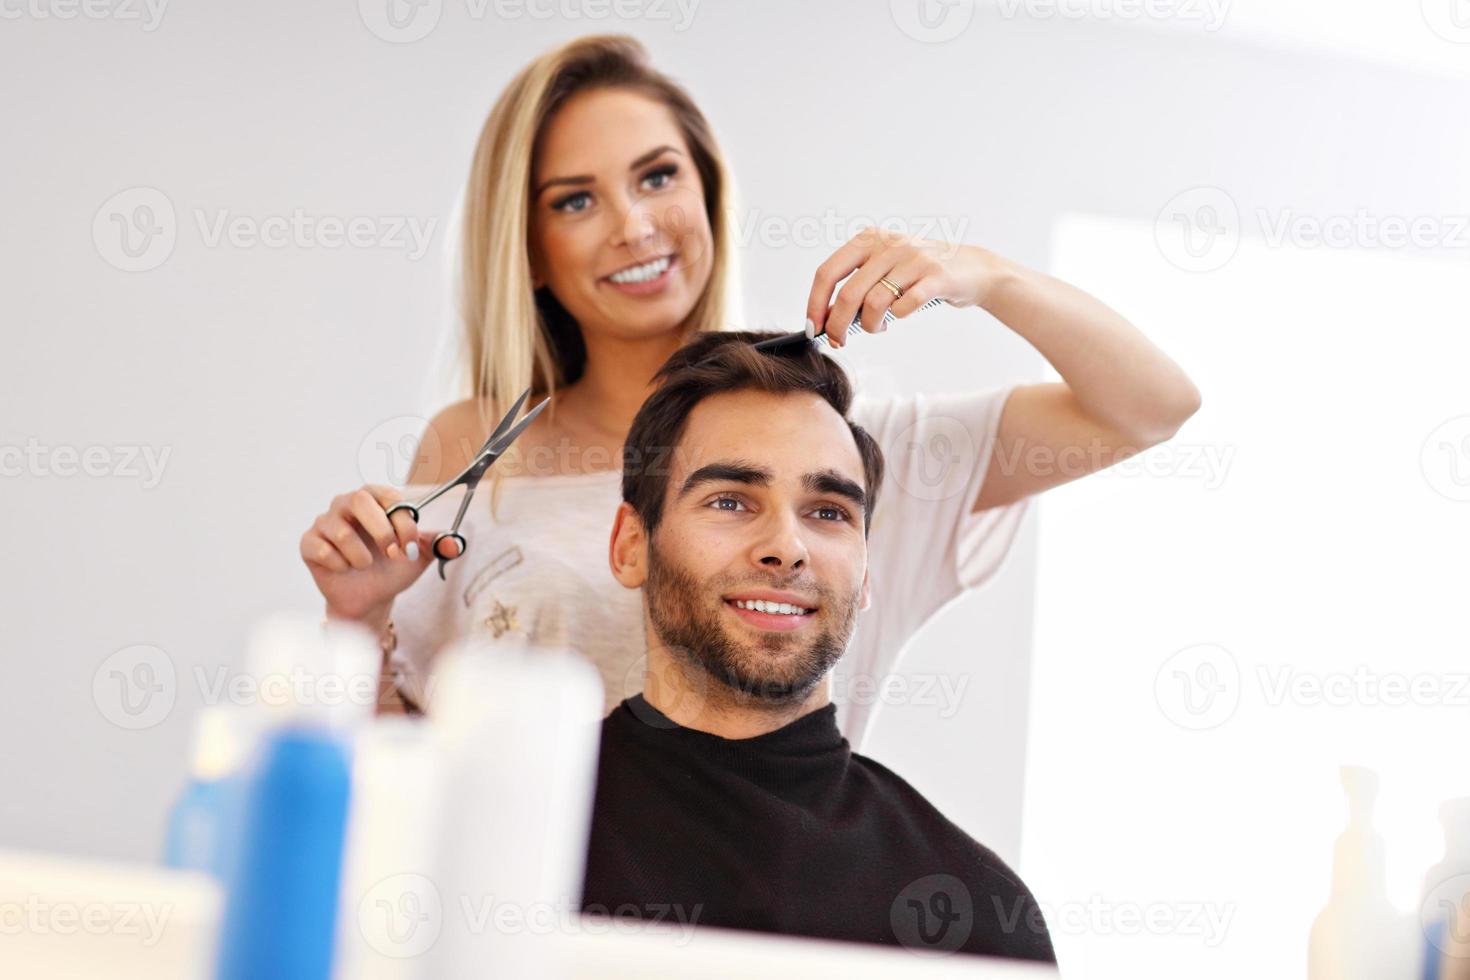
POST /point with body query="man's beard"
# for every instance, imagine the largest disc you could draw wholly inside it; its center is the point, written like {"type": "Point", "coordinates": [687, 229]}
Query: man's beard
{"type": "Point", "coordinates": [776, 668]}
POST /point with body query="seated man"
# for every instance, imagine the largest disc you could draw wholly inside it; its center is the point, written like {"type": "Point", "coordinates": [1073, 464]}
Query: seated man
{"type": "Point", "coordinates": [726, 792]}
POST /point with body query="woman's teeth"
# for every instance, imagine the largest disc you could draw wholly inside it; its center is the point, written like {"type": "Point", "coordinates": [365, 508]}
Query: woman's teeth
{"type": "Point", "coordinates": [781, 608]}
{"type": "Point", "coordinates": [642, 273]}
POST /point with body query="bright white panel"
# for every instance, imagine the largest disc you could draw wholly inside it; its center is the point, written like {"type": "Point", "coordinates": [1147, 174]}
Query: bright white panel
{"type": "Point", "coordinates": [1311, 522]}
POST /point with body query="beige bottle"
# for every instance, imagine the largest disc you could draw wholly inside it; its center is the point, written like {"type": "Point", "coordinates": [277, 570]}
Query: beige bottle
{"type": "Point", "coordinates": [1359, 935]}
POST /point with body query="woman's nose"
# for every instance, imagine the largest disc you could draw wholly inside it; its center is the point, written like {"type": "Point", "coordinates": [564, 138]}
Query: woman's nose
{"type": "Point", "coordinates": [634, 223]}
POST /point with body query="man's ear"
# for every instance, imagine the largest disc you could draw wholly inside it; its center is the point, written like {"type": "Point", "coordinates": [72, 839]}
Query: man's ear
{"type": "Point", "coordinates": [867, 595]}
{"type": "Point", "coordinates": [627, 553]}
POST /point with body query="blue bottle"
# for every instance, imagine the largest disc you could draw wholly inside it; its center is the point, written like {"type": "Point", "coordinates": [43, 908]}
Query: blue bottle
{"type": "Point", "coordinates": [281, 912]}
{"type": "Point", "coordinates": [201, 821]}
{"type": "Point", "coordinates": [284, 881]}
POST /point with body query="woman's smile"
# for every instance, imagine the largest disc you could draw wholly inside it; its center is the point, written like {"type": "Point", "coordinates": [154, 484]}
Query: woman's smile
{"type": "Point", "coordinates": [645, 278]}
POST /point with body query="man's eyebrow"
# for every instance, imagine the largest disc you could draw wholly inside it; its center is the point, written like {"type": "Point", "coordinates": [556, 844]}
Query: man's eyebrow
{"type": "Point", "coordinates": [733, 471]}
{"type": "Point", "coordinates": [586, 179]}
{"type": "Point", "coordinates": [741, 471]}
{"type": "Point", "coordinates": [830, 481]}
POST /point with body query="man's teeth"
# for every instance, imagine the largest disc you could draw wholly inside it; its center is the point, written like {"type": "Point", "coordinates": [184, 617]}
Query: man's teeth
{"type": "Point", "coordinates": [642, 273]}
{"type": "Point", "coordinates": [761, 605]}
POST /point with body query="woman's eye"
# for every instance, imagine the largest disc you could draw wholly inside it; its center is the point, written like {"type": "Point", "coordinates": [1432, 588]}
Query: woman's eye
{"type": "Point", "coordinates": [580, 201]}
{"type": "Point", "coordinates": [561, 205]}
{"type": "Point", "coordinates": [666, 172]}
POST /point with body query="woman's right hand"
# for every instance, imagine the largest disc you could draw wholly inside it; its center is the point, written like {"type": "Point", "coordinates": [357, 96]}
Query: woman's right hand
{"type": "Point", "coordinates": [360, 558]}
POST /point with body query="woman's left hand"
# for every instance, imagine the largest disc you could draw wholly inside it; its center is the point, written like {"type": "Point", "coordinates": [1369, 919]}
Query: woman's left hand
{"type": "Point", "coordinates": [922, 269]}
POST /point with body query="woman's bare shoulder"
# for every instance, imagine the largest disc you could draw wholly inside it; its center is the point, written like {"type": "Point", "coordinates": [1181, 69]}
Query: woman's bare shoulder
{"type": "Point", "coordinates": [457, 433]}
{"type": "Point", "coordinates": [450, 441]}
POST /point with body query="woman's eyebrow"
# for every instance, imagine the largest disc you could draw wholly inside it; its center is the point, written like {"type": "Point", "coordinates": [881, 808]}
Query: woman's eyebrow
{"type": "Point", "coordinates": [586, 179]}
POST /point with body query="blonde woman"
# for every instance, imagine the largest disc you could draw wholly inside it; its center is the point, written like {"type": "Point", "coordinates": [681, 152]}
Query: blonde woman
{"type": "Point", "coordinates": [597, 238]}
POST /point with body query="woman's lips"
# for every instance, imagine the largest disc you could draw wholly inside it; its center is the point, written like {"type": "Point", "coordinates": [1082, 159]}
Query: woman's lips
{"type": "Point", "coordinates": [654, 285]}
{"type": "Point", "coordinates": [776, 622]}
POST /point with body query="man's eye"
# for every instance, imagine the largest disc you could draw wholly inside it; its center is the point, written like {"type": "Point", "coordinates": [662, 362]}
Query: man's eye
{"type": "Point", "coordinates": [724, 500]}
{"type": "Point", "coordinates": [840, 514]}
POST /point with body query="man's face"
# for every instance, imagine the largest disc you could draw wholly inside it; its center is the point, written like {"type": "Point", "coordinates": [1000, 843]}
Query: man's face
{"type": "Point", "coordinates": [764, 504]}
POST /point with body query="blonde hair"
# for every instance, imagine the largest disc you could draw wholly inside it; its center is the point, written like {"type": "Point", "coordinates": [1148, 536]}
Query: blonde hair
{"type": "Point", "coordinates": [512, 336]}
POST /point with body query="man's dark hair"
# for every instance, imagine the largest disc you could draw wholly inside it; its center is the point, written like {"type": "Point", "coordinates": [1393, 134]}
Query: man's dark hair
{"type": "Point", "coordinates": [715, 362]}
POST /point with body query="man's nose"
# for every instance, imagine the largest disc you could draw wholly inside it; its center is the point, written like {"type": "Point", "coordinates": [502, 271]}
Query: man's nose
{"type": "Point", "coordinates": [781, 544]}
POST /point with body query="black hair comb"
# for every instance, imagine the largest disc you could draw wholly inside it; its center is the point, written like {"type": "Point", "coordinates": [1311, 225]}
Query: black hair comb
{"type": "Point", "coordinates": [793, 339]}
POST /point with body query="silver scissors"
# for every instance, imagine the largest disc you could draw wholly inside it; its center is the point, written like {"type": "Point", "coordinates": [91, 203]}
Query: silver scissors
{"type": "Point", "coordinates": [494, 448]}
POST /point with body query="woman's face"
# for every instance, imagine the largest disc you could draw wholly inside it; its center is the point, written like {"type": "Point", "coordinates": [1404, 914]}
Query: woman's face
{"type": "Point", "coordinates": [618, 226]}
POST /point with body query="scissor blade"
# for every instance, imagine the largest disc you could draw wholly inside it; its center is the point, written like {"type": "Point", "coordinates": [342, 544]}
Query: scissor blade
{"type": "Point", "coordinates": [503, 443]}
{"type": "Point", "coordinates": [506, 421]}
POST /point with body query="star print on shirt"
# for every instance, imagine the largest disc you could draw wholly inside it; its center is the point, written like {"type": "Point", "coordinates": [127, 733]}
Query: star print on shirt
{"type": "Point", "coordinates": [502, 618]}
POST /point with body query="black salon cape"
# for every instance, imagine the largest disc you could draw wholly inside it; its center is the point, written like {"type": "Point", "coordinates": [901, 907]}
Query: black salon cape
{"type": "Point", "coordinates": [790, 832]}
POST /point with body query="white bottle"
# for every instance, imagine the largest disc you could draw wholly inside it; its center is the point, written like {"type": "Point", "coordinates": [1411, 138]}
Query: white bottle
{"type": "Point", "coordinates": [519, 730]}
{"type": "Point", "coordinates": [1359, 935]}
{"type": "Point", "coordinates": [391, 912]}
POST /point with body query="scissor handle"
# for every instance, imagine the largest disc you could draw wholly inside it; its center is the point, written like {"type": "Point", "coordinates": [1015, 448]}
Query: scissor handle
{"type": "Point", "coordinates": [444, 559]}
{"type": "Point", "coordinates": [413, 511]}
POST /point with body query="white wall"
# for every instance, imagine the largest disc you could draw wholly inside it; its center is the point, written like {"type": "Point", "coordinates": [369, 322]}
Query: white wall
{"type": "Point", "coordinates": [263, 371]}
